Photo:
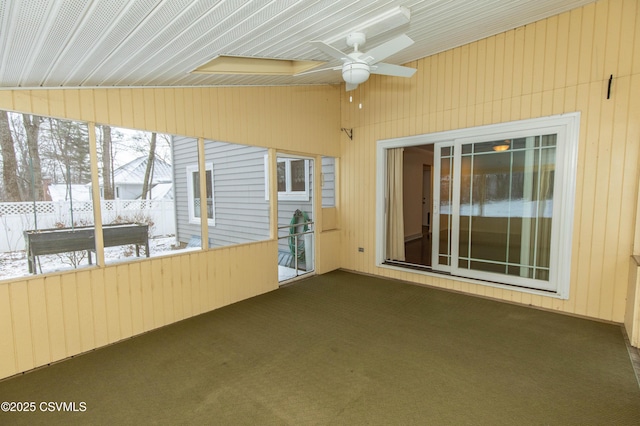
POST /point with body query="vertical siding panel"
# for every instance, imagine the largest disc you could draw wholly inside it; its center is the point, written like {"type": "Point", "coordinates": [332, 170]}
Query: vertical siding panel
{"type": "Point", "coordinates": [623, 170]}
{"type": "Point", "coordinates": [55, 318]}
{"type": "Point", "coordinates": [172, 113]}
{"type": "Point", "coordinates": [71, 314]}
{"type": "Point", "coordinates": [628, 32]}
{"type": "Point", "coordinates": [39, 321]}
{"type": "Point", "coordinates": [574, 47]}
{"type": "Point", "coordinates": [490, 70]}
{"type": "Point", "coordinates": [222, 114]}
{"type": "Point", "coordinates": [150, 301]}
{"type": "Point", "coordinates": [166, 277]}
{"type": "Point", "coordinates": [518, 61]}
{"type": "Point", "coordinates": [85, 311]}
{"type": "Point", "coordinates": [99, 305]}
{"type": "Point", "coordinates": [528, 64]}
{"type": "Point", "coordinates": [176, 284]}
{"type": "Point", "coordinates": [160, 110]}
{"type": "Point", "coordinates": [101, 105]}
{"type": "Point", "coordinates": [590, 208]}
{"type": "Point", "coordinates": [112, 304]}
{"type": "Point", "coordinates": [509, 63]}
{"type": "Point", "coordinates": [561, 52]}
{"type": "Point", "coordinates": [149, 109]}
{"type": "Point", "coordinates": [114, 108]}
{"type": "Point", "coordinates": [448, 81]}
{"type": "Point", "coordinates": [186, 285]}
{"type": "Point", "coordinates": [599, 41]}
{"type": "Point", "coordinates": [178, 108]}
{"type": "Point", "coordinates": [213, 284]}
{"type": "Point", "coordinates": [549, 54]}
{"type": "Point", "coordinates": [137, 304]}
{"type": "Point", "coordinates": [481, 73]}
{"type": "Point", "coordinates": [472, 75]}
{"type": "Point", "coordinates": [539, 67]}
{"type": "Point", "coordinates": [205, 287]}
{"type": "Point", "coordinates": [635, 64]}
{"type": "Point", "coordinates": [87, 105]}
{"type": "Point", "coordinates": [197, 111]}
{"type": "Point", "coordinates": [21, 326]}
{"type": "Point", "coordinates": [8, 364]}
{"type": "Point", "coordinates": [123, 301]}
{"type": "Point", "coordinates": [137, 105]}
{"type": "Point", "coordinates": [206, 112]}
{"type": "Point", "coordinates": [158, 284]}
{"type": "Point", "coordinates": [196, 283]}
{"type": "Point", "coordinates": [21, 101]}
{"type": "Point", "coordinates": [72, 103]}
{"type": "Point", "coordinates": [587, 44]}
{"type": "Point", "coordinates": [128, 109]}
{"type": "Point", "coordinates": [189, 112]}
{"type": "Point", "coordinates": [498, 58]}
{"type": "Point", "coordinates": [56, 103]}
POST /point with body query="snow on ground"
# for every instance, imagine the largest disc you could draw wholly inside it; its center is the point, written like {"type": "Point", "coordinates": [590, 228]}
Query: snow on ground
{"type": "Point", "coordinates": [14, 264]}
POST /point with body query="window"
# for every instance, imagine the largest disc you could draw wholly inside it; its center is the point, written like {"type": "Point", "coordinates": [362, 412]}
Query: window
{"type": "Point", "coordinates": [293, 179]}
{"type": "Point", "coordinates": [502, 203]}
{"type": "Point", "coordinates": [193, 193]}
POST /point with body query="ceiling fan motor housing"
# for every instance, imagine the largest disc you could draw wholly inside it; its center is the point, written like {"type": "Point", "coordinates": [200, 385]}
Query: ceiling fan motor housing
{"type": "Point", "coordinates": [355, 72]}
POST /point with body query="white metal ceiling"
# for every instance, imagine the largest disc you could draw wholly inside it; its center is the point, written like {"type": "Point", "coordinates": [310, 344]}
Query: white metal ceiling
{"type": "Point", "coordinates": [53, 43]}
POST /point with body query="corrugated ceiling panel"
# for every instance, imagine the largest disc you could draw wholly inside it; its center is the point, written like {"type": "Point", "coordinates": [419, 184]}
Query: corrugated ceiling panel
{"type": "Point", "coordinates": [215, 29]}
{"type": "Point", "coordinates": [158, 42]}
{"type": "Point", "coordinates": [165, 23]}
{"type": "Point", "coordinates": [88, 35]}
{"type": "Point", "coordinates": [23, 33]}
{"type": "Point", "coordinates": [63, 26]}
{"type": "Point", "coordinates": [116, 32]}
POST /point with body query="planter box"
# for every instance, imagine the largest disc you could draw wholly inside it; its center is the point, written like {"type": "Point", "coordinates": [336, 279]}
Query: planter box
{"type": "Point", "coordinates": [62, 240]}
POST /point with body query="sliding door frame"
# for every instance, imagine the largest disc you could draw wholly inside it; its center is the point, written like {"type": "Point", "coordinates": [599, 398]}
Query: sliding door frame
{"type": "Point", "coordinates": [567, 127]}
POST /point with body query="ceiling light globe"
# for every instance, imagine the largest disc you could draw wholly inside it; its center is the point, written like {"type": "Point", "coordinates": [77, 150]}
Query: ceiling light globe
{"type": "Point", "coordinates": [355, 72]}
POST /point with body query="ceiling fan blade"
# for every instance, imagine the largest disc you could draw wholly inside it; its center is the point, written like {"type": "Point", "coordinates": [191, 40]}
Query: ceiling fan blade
{"type": "Point", "coordinates": [318, 70]}
{"type": "Point", "coordinates": [351, 87]}
{"type": "Point", "coordinates": [392, 70]}
{"type": "Point", "coordinates": [330, 50]}
{"type": "Point", "coordinates": [386, 49]}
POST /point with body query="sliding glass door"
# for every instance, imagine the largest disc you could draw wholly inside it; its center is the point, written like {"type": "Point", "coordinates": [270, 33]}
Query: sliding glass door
{"type": "Point", "coordinates": [493, 209]}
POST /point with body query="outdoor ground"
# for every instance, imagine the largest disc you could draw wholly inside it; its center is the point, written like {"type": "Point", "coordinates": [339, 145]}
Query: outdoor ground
{"type": "Point", "coordinates": [14, 264]}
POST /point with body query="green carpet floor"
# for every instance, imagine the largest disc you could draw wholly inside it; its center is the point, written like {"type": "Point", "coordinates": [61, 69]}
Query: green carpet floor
{"type": "Point", "coordinates": [349, 349]}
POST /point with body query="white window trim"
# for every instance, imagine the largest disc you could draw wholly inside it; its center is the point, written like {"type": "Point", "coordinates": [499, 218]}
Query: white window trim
{"type": "Point", "coordinates": [190, 196]}
{"type": "Point", "coordinates": [288, 195]}
{"type": "Point", "coordinates": [566, 161]}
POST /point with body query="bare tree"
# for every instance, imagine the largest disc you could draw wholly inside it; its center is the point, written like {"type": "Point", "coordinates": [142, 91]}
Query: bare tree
{"type": "Point", "coordinates": [9, 163]}
{"type": "Point", "coordinates": [148, 173]}
{"type": "Point", "coordinates": [32, 126]}
{"type": "Point", "coordinates": [106, 164]}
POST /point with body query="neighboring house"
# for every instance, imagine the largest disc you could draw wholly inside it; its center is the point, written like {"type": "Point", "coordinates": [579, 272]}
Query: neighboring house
{"type": "Point", "coordinates": [238, 191]}
{"type": "Point", "coordinates": [129, 178]}
{"type": "Point", "coordinates": [64, 192]}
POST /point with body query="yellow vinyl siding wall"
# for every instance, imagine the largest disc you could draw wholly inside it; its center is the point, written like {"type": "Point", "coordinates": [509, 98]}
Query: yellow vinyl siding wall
{"type": "Point", "coordinates": [47, 318]}
{"type": "Point", "coordinates": [558, 65]}
{"type": "Point", "coordinates": [55, 316]}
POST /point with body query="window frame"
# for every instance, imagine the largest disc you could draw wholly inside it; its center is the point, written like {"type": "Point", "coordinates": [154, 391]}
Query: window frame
{"type": "Point", "coordinates": [190, 170]}
{"type": "Point", "coordinates": [288, 194]}
{"type": "Point", "coordinates": [567, 127]}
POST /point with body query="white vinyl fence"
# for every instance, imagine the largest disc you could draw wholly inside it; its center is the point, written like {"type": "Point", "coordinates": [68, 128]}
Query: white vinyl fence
{"type": "Point", "coordinates": [15, 218]}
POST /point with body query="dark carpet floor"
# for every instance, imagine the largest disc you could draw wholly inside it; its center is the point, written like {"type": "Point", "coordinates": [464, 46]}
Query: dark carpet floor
{"type": "Point", "coordinates": [348, 349]}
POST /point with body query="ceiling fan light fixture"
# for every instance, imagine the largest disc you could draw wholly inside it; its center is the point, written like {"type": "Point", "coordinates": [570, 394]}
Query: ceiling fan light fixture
{"type": "Point", "coordinates": [355, 72]}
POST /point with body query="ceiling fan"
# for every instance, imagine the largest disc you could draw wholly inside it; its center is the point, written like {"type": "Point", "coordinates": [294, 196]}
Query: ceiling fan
{"type": "Point", "coordinates": [357, 66]}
